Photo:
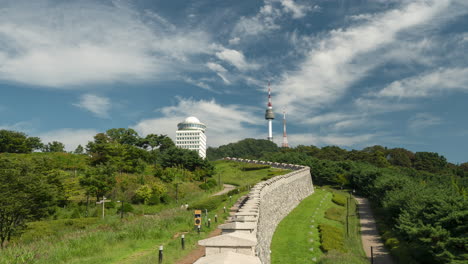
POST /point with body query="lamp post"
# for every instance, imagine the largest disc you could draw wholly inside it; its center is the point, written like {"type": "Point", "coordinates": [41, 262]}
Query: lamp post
{"type": "Point", "coordinates": [121, 209]}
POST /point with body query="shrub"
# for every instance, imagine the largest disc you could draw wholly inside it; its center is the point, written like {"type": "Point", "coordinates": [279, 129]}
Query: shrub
{"type": "Point", "coordinates": [127, 208]}
{"type": "Point", "coordinates": [165, 198]}
{"type": "Point", "coordinates": [110, 205]}
{"type": "Point", "coordinates": [392, 243]}
{"type": "Point", "coordinates": [211, 183]}
{"type": "Point", "coordinates": [339, 199]}
{"type": "Point", "coordinates": [331, 238]}
{"type": "Point", "coordinates": [335, 213]}
{"type": "Point", "coordinates": [154, 200]}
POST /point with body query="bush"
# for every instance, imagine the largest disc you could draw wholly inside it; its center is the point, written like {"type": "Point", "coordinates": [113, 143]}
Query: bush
{"type": "Point", "coordinates": [392, 243]}
{"type": "Point", "coordinates": [339, 199]}
{"type": "Point", "coordinates": [127, 208]}
{"type": "Point", "coordinates": [209, 203]}
{"type": "Point", "coordinates": [110, 205]}
{"type": "Point", "coordinates": [211, 183]}
{"type": "Point", "coordinates": [331, 238]}
{"type": "Point", "coordinates": [165, 198]}
{"type": "Point", "coordinates": [336, 214]}
{"type": "Point", "coordinates": [154, 200]}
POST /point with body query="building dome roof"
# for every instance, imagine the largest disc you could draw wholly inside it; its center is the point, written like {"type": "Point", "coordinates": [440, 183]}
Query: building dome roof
{"type": "Point", "coordinates": [191, 123]}
{"type": "Point", "coordinates": [192, 119]}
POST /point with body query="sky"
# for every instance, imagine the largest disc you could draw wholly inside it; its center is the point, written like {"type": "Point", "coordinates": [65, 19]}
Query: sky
{"type": "Point", "coordinates": [350, 73]}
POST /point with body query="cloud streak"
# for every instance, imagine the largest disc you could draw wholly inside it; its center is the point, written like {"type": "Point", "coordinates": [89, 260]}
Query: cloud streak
{"type": "Point", "coordinates": [95, 104]}
{"type": "Point", "coordinates": [344, 56]}
{"type": "Point", "coordinates": [69, 44]}
{"type": "Point", "coordinates": [428, 84]}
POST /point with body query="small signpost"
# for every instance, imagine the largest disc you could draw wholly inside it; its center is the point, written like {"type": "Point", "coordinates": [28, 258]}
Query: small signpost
{"type": "Point", "coordinates": [103, 201]}
{"type": "Point", "coordinates": [197, 217]}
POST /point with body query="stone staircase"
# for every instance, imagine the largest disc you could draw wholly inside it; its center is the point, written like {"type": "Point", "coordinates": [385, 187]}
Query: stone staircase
{"type": "Point", "coordinates": [240, 240]}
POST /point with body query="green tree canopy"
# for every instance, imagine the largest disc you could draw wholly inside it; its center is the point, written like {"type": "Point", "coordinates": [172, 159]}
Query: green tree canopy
{"type": "Point", "coordinates": [17, 142]}
{"type": "Point", "coordinates": [246, 148]}
{"type": "Point", "coordinates": [54, 146]}
{"type": "Point", "coordinates": [99, 180]}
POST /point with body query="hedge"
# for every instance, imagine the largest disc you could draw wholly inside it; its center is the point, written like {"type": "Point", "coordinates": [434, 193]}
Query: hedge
{"type": "Point", "coordinates": [331, 238]}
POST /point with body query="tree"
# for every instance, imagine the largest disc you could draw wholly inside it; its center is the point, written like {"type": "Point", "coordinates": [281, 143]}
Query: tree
{"type": "Point", "coordinates": [54, 146]}
{"type": "Point", "coordinates": [123, 136]}
{"type": "Point", "coordinates": [79, 150]}
{"type": "Point", "coordinates": [27, 193]}
{"type": "Point", "coordinates": [17, 142]}
{"type": "Point", "coordinates": [401, 157]}
{"type": "Point", "coordinates": [429, 161]}
{"type": "Point", "coordinates": [184, 158]}
{"type": "Point", "coordinates": [99, 180]}
{"type": "Point", "coordinates": [246, 148]}
{"type": "Point", "coordinates": [332, 153]}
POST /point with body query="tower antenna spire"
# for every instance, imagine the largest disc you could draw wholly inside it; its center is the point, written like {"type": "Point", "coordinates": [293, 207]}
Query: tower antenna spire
{"type": "Point", "coordinates": [285, 136]}
{"type": "Point", "coordinates": [269, 115]}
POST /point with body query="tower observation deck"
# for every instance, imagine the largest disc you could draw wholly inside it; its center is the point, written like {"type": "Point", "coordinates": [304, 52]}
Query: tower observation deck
{"type": "Point", "coordinates": [269, 115]}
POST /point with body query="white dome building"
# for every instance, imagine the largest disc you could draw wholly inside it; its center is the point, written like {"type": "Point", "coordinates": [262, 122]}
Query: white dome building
{"type": "Point", "coordinates": [190, 134]}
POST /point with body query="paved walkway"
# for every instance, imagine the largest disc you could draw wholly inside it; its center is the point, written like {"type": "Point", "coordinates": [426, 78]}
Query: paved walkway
{"type": "Point", "coordinates": [227, 188]}
{"type": "Point", "coordinates": [369, 234]}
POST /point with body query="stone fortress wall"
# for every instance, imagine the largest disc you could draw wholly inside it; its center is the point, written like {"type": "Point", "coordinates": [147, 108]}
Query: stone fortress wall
{"type": "Point", "coordinates": [262, 210]}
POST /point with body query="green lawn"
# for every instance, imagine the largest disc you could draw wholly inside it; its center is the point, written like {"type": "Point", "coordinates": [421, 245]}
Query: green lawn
{"type": "Point", "coordinates": [230, 172]}
{"type": "Point", "coordinates": [297, 239]}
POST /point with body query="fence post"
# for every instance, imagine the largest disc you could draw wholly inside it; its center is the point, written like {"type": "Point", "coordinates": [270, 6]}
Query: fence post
{"type": "Point", "coordinates": [160, 254]}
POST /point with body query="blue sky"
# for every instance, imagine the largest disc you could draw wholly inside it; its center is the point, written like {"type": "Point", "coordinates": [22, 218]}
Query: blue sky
{"type": "Point", "coordinates": [349, 73]}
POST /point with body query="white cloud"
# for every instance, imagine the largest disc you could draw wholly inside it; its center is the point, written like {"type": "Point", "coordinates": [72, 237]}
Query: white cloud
{"type": "Point", "coordinates": [234, 41]}
{"type": "Point", "coordinates": [23, 126]}
{"type": "Point", "coordinates": [68, 44]}
{"type": "Point", "coordinates": [297, 10]}
{"type": "Point", "coordinates": [97, 105]}
{"type": "Point", "coordinates": [215, 67]}
{"type": "Point", "coordinates": [266, 19]}
{"type": "Point", "coordinates": [199, 83]}
{"type": "Point", "coordinates": [225, 123]}
{"type": "Point", "coordinates": [428, 84]}
{"type": "Point", "coordinates": [220, 71]}
{"type": "Point", "coordinates": [423, 120]}
{"type": "Point", "coordinates": [347, 55]}
{"type": "Point", "coordinates": [237, 59]}
{"type": "Point", "coordinates": [71, 138]}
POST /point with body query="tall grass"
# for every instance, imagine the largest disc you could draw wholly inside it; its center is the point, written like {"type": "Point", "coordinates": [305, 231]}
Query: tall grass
{"type": "Point", "coordinates": [135, 239]}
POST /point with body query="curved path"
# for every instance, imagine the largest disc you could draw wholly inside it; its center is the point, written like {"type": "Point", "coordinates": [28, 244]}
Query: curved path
{"type": "Point", "coordinates": [227, 188]}
{"type": "Point", "coordinates": [370, 236]}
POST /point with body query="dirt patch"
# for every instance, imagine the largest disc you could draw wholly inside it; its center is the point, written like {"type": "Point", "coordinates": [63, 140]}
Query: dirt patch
{"type": "Point", "coordinates": [199, 252]}
{"type": "Point", "coordinates": [369, 234]}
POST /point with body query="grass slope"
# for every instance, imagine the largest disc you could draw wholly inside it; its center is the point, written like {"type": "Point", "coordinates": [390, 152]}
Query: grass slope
{"type": "Point", "coordinates": [297, 238]}
{"type": "Point", "coordinates": [231, 172]}
{"type": "Point", "coordinates": [134, 240]}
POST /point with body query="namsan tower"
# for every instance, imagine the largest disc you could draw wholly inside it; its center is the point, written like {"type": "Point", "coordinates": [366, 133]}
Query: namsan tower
{"type": "Point", "coordinates": [285, 136]}
{"type": "Point", "coordinates": [269, 115]}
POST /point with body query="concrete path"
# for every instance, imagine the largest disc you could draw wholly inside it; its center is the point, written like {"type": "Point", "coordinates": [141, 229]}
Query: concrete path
{"type": "Point", "coordinates": [227, 188]}
{"type": "Point", "coordinates": [370, 236]}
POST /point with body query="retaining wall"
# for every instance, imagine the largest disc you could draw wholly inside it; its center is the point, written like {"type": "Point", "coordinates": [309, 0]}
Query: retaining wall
{"type": "Point", "coordinates": [272, 200]}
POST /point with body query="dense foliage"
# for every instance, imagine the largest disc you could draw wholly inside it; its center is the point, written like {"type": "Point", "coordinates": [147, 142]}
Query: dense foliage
{"type": "Point", "coordinates": [117, 164]}
{"type": "Point", "coordinates": [421, 196]}
{"type": "Point", "coordinates": [248, 148]}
